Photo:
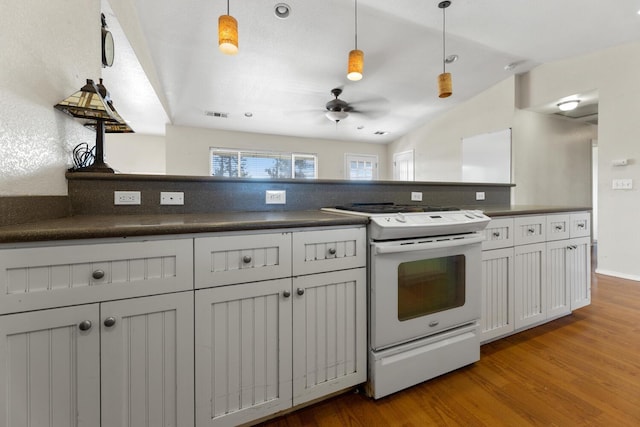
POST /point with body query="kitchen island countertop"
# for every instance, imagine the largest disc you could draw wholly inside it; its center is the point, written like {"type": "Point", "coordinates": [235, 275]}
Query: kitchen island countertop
{"type": "Point", "coordinates": [105, 226]}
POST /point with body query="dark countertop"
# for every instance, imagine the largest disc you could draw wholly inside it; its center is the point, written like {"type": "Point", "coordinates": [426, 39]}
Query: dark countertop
{"type": "Point", "coordinates": [495, 211]}
{"type": "Point", "coordinates": [102, 226]}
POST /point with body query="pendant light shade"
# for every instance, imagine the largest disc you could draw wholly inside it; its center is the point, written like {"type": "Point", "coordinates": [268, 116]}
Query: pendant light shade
{"type": "Point", "coordinates": [356, 65]}
{"type": "Point", "coordinates": [445, 86]}
{"type": "Point", "coordinates": [228, 33]}
{"type": "Point", "coordinates": [356, 56]}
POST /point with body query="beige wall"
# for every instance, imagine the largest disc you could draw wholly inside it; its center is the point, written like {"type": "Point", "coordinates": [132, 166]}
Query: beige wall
{"type": "Point", "coordinates": [48, 51]}
{"type": "Point", "coordinates": [188, 150]}
{"type": "Point", "coordinates": [136, 153]}
{"type": "Point", "coordinates": [437, 145]}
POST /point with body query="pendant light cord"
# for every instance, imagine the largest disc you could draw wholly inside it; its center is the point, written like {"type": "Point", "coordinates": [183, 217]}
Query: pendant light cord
{"type": "Point", "coordinates": [356, 26]}
{"type": "Point", "coordinates": [444, 22]}
{"type": "Point", "coordinates": [227, 7]}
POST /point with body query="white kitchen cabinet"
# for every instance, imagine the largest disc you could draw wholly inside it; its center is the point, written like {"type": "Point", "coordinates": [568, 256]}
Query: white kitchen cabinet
{"type": "Point", "coordinates": [530, 284]}
{"type": "Point", "coordinates": [268, 345]}
{"type": "Point", "coordinates": [66, 367]}
{"type": "Point", "coordinates": [243, 352]}
{"type": "Point", "coordinates": [498, 317]}
{"type": "Point", "coordinates": [329, 333]}
{"type": "Point", "coordinates": [548, 270]}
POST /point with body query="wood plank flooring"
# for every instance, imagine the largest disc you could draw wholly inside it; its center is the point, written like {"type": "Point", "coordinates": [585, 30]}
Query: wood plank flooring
{"type": "Point", "coordinates": [580, 370]}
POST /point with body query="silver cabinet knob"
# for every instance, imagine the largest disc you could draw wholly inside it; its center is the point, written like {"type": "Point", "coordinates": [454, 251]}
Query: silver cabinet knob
{"type": "Point", "coordinates": [109, 321]}
{"type": "Point", "coordinates": [559, 227]}
{"type": "Point", "coordinates": [580, 225]}
{"type": "Point", "coordinates": [531, 230]}
{"type": "Point", "coordinates": [85, 325]}
{"type": "Point", "coordinates": [98, 274]}
{"type": "Point", "coordinates": [286, 294]}
{"type": "Point", "coordinates": [496, 234]}
{"type": "Point", "coordinates": [246, 259]}
{"type": "Point", "coordinates": [300, 291]}
{"type": "Point", "coordinates": [332, 251]}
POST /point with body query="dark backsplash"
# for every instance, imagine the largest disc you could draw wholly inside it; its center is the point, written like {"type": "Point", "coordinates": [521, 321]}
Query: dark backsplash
{"type": "Point", "coordinates": [92, 194]}
{"type": "Point", "coordinates": [23, 209]}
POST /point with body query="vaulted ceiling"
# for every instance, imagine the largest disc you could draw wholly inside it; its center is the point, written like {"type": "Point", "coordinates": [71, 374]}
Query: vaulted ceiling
{"type": "Point", "coordinates": [167, 55]}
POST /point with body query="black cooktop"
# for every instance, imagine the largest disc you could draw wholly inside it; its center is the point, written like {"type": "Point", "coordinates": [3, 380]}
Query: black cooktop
{"type": "Point", "coordinates": [382, 208]}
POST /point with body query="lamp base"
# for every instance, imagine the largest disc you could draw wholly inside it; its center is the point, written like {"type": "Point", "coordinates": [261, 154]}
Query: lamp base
{"type": "Point", "coordinates": [96, 167]}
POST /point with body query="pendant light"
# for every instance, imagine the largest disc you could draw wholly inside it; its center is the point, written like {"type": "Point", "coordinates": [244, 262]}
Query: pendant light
{"type": "Point", "coordinates": [228, 33]}
{"type": "Point", "coordinates": [444, 79]}
{"type": "Point", "coordinates": [356, 57]}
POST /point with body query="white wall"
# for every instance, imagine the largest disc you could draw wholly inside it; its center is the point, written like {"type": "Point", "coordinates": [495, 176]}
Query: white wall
{"type": "Point", "coordinates": [49, 49]}
{"type": "Point", "coordinates": [136, 153]}
{"type": "Point", "coordinates": [188, 150]}
{"type": "Point", "coordinates": [438, 144]}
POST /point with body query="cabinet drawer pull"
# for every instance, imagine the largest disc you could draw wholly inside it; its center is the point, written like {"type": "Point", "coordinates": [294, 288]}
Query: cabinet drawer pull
{"type": "Point", "coordinates": [109, 321]}
{"type": "Point", "coordinates": [496, 234]}
{"type": "Point", "coordinates": [98, 274]}
{"type": "Point", "coordinates": [332, 251]}
{"type": "Point", "coordinates": [300, 291]}
{"type": "Point", "coordinates": [531, 230]}
{"type": "Point", "coordinates": [559, 227]}
{"type": "Point", "coordinates": [246, 259]}
{"type": "Point", "coordinates": [580, 225]}
{"type": "Point", "coordinates": [85, 325]}
{"type": "Point", "coordinates": [286, 294]}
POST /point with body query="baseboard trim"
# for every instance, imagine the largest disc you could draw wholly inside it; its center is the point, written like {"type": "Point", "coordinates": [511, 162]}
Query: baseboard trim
{"type": "Point", "coordinates": [618, 274]}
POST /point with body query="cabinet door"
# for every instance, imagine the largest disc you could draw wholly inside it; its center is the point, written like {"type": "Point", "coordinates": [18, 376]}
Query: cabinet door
{"type": "Point", "coordinates": [558, 290]}
{"type": "Point", "coordinates": [530, 289]}
{"type": "Point", "coordinates": [50, 369]}
{"type": "Point", "coordinates": [243, 352]}
{"type": "Point", "coordinates": [147, 361]}
{"type": "Point", "coordinates": [497, 294]}
{"type": "Point", "coordinates": [579, 272]}
{"type": "Point", "coordinates": [329, 333]}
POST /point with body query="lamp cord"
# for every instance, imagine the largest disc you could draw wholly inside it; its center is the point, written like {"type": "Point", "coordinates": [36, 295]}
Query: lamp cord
{"type": "Point", "coordinates": [227, 7]}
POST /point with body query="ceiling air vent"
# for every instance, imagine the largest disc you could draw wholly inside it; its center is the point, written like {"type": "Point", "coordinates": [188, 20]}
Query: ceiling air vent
{"type": "Point", "coordinates": [216, 114]}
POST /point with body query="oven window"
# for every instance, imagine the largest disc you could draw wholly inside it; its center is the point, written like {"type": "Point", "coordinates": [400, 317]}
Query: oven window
{"type": "Point", "coordinates": [430, 285]}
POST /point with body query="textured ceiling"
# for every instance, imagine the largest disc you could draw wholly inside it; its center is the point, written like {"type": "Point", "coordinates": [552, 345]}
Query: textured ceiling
{"type": "Point", "coordinates": [286, 69]}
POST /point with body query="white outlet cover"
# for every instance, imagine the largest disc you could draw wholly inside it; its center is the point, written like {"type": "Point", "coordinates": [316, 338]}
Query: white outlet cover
{"type": "Point", "coordinates": [276, 197]}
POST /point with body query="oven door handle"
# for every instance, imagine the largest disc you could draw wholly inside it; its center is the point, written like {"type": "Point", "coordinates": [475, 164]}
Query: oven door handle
{"type": "Point", "coordinates": [412, 247]}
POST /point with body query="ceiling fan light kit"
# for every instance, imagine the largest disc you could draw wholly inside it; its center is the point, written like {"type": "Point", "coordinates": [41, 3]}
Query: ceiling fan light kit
{"type": "Point", "coordinates": [228, 33]}
{"type": "Point", "coordinates": [445, 86]}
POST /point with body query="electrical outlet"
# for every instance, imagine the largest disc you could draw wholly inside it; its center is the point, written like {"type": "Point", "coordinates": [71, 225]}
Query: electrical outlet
{"type": "Point", "coordinates": [416, 196]}
{"type": "Point", "coordinates": [276, 197]}
{"type": "Point", "coordinates": [479, 195]}
{"type": "Point", "coordinates": [171, 198]}
{"type": "Point", "coordinates": [126, 197]}
{"type": "Point", "coordinates": [622, 184]}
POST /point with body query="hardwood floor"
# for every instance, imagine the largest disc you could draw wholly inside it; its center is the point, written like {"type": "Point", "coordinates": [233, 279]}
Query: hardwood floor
{"type": "Point", "coordinates": [580, 370]}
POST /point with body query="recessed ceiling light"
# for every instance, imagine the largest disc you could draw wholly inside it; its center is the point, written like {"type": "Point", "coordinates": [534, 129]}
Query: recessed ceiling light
{"type": "Point", "coordinates": [360, 127]}
{"type": "Point", "coordinates": [282, 10]}
{"type": "Point", "coordinates": [450, 59]}
{"type": "Point", "coordinates": [568, 105]}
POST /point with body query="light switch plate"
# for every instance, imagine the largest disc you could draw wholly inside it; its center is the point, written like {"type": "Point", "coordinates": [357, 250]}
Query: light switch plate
{"type": "Point", "coordinates": [416, 196]}
{"type": "Point", "coordinates": [479, 195]}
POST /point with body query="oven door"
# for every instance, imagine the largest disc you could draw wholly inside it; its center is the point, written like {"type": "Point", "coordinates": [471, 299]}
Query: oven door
{"type": "Point", "coordinates": [420, 287]}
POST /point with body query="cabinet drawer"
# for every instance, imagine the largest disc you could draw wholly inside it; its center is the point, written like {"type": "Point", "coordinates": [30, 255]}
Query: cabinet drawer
{"type": "Point", "coordinates": [327, 250]}
{"type": "Point", "coordinates": [43, 277]}
{"type": "Point", "coordinates": [558, 227]}
{"type": "Point", "coordinates": [498, 234]}
{"type": "Point", "coordinates": [224, 260]}
{"type": "Point", "coordinates": [580, 224]}
{"type": "Point", "coordinates": [529, 229]}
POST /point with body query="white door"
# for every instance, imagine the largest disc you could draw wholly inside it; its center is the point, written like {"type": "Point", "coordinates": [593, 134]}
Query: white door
{"type": "Point", "coordinates": [329, 333]}
{"type": "Point", "coordinates": [50, 368]}
{"type": "Point", "coordinates": [243, 352]}
{"type": "Point", "coordinates": [147, 361]}
{"type": "Point", "coordinates": [403, 166]}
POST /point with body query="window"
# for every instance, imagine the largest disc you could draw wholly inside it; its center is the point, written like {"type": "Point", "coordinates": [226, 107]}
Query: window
{"type": "Point", "coordinates": [361, 166]}
{"type": "Point", "coordinates": [262, 164]}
